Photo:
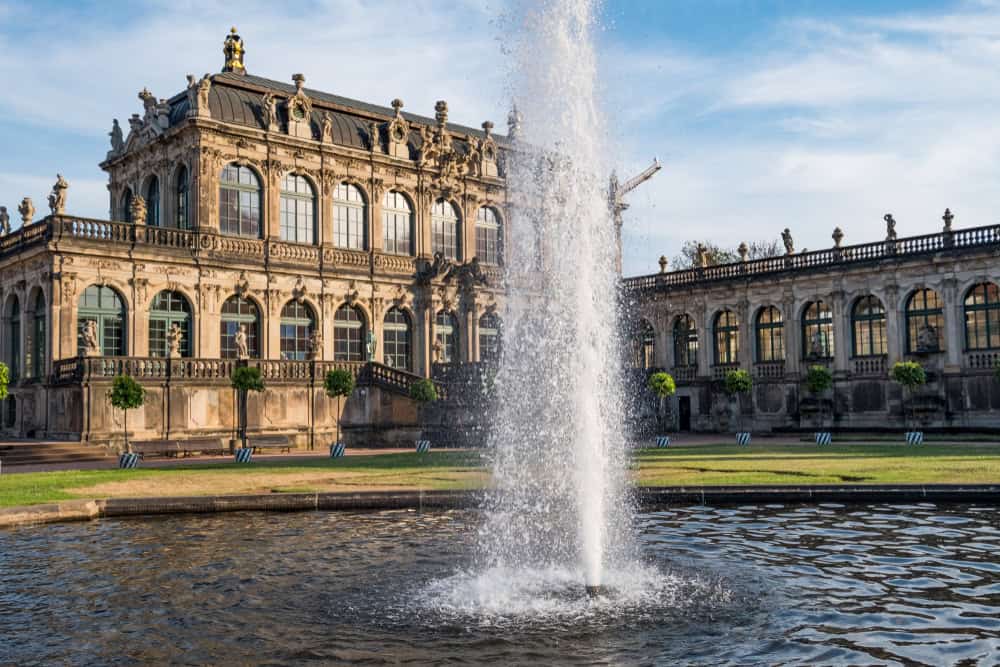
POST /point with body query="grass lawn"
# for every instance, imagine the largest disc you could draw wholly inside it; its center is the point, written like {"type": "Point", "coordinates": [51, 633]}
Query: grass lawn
{"type": "Point", "coordinates": [677, 465]}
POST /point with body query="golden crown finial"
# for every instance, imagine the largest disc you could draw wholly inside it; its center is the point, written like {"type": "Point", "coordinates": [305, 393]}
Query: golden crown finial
{"type": "Point", "coordinates": [233, 50]}
{"type": "Point", "coordinates": [233, 30]}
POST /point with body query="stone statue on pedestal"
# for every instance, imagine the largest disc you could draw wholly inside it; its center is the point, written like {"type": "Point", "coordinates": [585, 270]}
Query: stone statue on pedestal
{"type": "Point", "coordinates": [702, 256]}
{"type": "Point", "coordinates": [786, 238]}
{"type": "Point", "coordinates": [57, 200]}
{"type": "Point", "coordinates": [370, 345]}
{"type": "Point", "coordinates": [91, 345]}
{"type": "Point", "coordinates": [174, 338]}
{"type": "Point", "coordinates": [4, 220]}
{"type": "Point", "coordinates": [890, 227]}
{"type": "Point", "coordinates": [927, 339]}
{"type": "Point", "coordinates": [315, 346]}
{"type": "Point", "coordinates": [242, 346]}
{"type": "Point", "coordinates": [117, 142]}
{"type": "Point", "coordinates": [438, 350]}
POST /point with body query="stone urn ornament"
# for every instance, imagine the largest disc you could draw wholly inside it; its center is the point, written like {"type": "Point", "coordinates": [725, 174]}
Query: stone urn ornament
{"type": "Point", "coordinates": [27, 211]}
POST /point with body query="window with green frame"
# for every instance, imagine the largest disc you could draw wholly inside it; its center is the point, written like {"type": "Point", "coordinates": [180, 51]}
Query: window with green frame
{"type": "Point", "coordinates": [348, 334]}
{"type": "Point", "coordinates": [167, 309]}
{"type": "Point", "coordinates": [102, 305]}
{"type": "Point", "coordinates": [239, 201]}
{"type": "Point", "coordinates": [237, 311]}
{"type": "Point", "coordinates": [446, 335]}
{"type": "Point", "coordinates": [924, 312]}
{"type": "Point", "coordinates": [445, 225]}
{"type": "Point", "coordinates": [490, 342]}
{"type": "Point", "coordinates": [297, 324]}
{"type": "Point", "coordinates": [727, 338]}
{"type": "Point", "coordinates": [298, 203]}
{"type": "Point", "coordinates": [396, 339]}
{"type": "Point", "coordinates": [982, 317]}
{"type": "Point", "coordinates": [644, 346]}
{"type": "Point", "coordinates": [685, 342]}
{"type": "Point", "coordinates": [868, 327]}
{"type": "Point", "coordinates": [770, 330]}
{"type": "Point", "coordinates": [817, 331]}
{"type": "Point", "coordinates": [14, 336]}
{"type": "Point", "coordinates": [39, 316]}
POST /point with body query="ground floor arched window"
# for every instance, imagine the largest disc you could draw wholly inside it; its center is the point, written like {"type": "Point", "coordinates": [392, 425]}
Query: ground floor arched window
{"type": "Point", "coordinates": [103, 306]}
{"type": "Point", "coordinates": [868, 327]}
{"type": "Point", "coordinates": [168, 311]}
{"type": "Point", "coordinates": [817, 331]}
{"type": "Point", "coordinates": [727, 338]}
{"type": "Point", "coordinates": [445, 337]}
{"type": "Point", "coordinates": [924, 321]}
{"type": "Point", "coordinates": [982, 317]}
{"type": "Point", "coordinates": [644, 346]}
{"type": "Point", "coordinates": [685, 342]}
{"type": "Point", "coordinates": [297, 324]}
{"type": "Point", "coordinates": [36, 364]}
{"type": "Point", "coordinates": [489, 338]}
{"type": "Point", "coordinates": [13, 333]}
{"type": "Point", "coordinates": [770, 330]}
{"type": "Point", "coordinates": [348, 334]}
{"type": "Point", "coordinates": [396, 339]}
{"type": "Point", "coordinates": [239, 313]}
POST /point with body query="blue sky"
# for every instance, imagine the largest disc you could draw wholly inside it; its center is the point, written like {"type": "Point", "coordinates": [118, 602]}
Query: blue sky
{"type": "Point", "coordinates": [766, 115]}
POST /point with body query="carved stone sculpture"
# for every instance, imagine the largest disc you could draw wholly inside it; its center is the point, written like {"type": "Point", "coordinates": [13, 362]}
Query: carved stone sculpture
{"type": "Point", "coordinates": [663, 263]}
{"type": "Point", "coordinates": [370, 345]}
{"type": "Point", "coordinates": [838, 236]}
{"type": "Point", "coordinates": [197, 95]}
{"type": "Point", "coordinates": [117, 142]}
{"type": "Point", "coordinates": [438, 350]}
{"type": "Point", "coordinates": [816, 348]}
{"type": "Point", "coordinates": [138, 210]}
{"type": "Point", "coordinates": [240, 340]}
{"type": "Point", "coordinates": [326, 131]}
{"type": "Point", "coordinates": [91, 344]}
{"type": "Point", "coordinates": [441, 267]}
{"type": "Point", "coordinates": [269, 111]}
{"type": "Point", "coordinates": [744, 251]}
{"type": "Point", "coordinates": [57, 199]}
{"type": "Point", "coordinates": [4, 220]}
{"type": "Point", "coordinates": [786, 238]}
{"type": "Point", "coordinates": [702, 252]}
{"type": "Point", "coordinates": [947, 217]}
{"type": "Point", "coordinates": [315, 345]}
{"type": "Point", "coordinates": [27, 211]}
{"type": "Point", "coordinates": [174, 338]}
{"type": "Point", "coordinates": [927, 339]}
{"type": "Point", "coordinates": [890, 227]}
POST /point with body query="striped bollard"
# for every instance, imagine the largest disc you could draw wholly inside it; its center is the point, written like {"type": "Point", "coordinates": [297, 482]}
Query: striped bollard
{"type": "Point", "coordinates": [423, 446]}
{"type": "Point", "coordinates": [244, 454]}
{"type": "Point", "coordinates": [914, 437]}
{"type": "Point", "coordinates": [824, 438]}
{"type": "Point", "coordinates": [743, 438]}
{"type": "Point", "coordinates": [337, 450]}
{"type": "Point", "coordinates": [128, 460]}
{"type": "Point", "coordinates": [662, 441]}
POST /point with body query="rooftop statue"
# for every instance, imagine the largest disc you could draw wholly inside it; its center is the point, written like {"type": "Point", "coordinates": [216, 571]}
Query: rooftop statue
{"type": "Point", "coordinates": [57, 199]}
{"type": "Point", "coordinates": [4, 220]}
{"type": "Point", "coordinates": [702, 252]}
{"type": "Point", "coordinates": [890, 227]}
{"type": "Point", "coordinates": [27, 211]}
{"type": "Point", "coordinates": [786, 238]}
{"type": "Point", "coordinates": [117, 142]}
{"type": "Point", "coordinates": [269, 110]}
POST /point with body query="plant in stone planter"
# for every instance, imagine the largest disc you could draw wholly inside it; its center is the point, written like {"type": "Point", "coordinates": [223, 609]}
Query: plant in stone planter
{"type": "Point", "coordinates": [4, 380]}
{"type": "Point", "coordinates": [819, 379]}
{"type": "Point", "coordinates": [126, 394]}
{"type": "Point", "coordinates": [244, 380]}
{"type": "Point", "coordinates": [663, 387]}
{"type": "Point", "coordinates": [423, 392]}
{"type": "Point", "coordinates": [909, 375]}
{"type": "Point", "coordinates": [738, 382]}
{"type": "Point", "coordinates": [338, 384]}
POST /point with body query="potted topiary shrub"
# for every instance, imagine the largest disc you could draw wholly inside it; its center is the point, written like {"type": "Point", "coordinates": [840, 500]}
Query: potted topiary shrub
{"type": "Point", "coordinates": [244, 380]}
{"type": "Point", "coordinates": [663, 387]}
{"type": "Point", "coordinates": [127, 394]}
{"type": "Point", "coordinates": [909, 375]}
{"type": "Point", "coordinates": [423, 392]}
{"type": "Point", "coordinates": [338, 384]}
{"type": "Point", "coordinates": [738, 382]}
{"type": "Point", "coordinates": [818, 380]}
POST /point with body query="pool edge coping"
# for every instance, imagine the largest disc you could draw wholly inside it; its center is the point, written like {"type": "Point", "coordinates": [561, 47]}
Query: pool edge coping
{"type": "Point", "coordinates": [649, 498]}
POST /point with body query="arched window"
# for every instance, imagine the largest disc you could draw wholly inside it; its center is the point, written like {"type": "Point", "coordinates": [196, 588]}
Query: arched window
{"type": "Point", "coordinates": [444, 229]}
{"type": "Point", "coordinates": [868, 326]}
{"type": "Point", "coordinates": [924, 322]}
{"type": "Point", "coordinates": [153, 202]}
{"type": "Point", "coordinates": [348, 334]}
{"type": "Point", "coordinates": [396, 339]}
{"type": "Point", "coordinates": [982, 317]}
{"type": "Point", "coordinates": [36, 364]}
{"type": "Point", "coordinates": [14, 336]}
{"type": "Point", "coordinates": [239, 201]}
{"type": "Point", "coordinates": [727, 338]}
{"type": "Point", "coordinates": [489, 338]}
{"type": "Point", "coordinates": [298, 219]}
{"type": "Point", "coordinates": [397, 223]}
{"type": "Point", "coordinates": [817, 331]}
{"type": "Point", "coordinates": [125, 206]}
{"type": "Point", "coordinates": [488, 237]}
{"type": "Point", "coordinates": [644, 346]}
{"type": "Point", "coordinates": [239, 312]}
{"type": "Point", "coordinates": [103, 306]}
{"type": "Point", "coordinates": [169, 308]}
{"type": "Point", "coordinates": [770, 335]}
{"type": "Point", "coordinates": [446, 337]}
{"type": "Point", "coordinates": [297, 323]}
{"type": "Point", "coordinates": [349, 217]}
{"type": "Point", "coordinates": [181, 189]}
{"type": "Point", "coordinates": [685, 342]}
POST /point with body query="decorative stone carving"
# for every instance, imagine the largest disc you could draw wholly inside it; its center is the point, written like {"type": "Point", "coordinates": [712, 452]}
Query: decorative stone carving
{"type": "Point", "coordinates": [838, 236]}
{"type": "Point", "coordinates": [243, 285]}
{"type": "Point", "coordinates": [786, 238]}
{"type": "Point", "coordinates": [398, 132]}
{"type": "Point", "coordinates": [441, 267]}
{"type": "Point", "coordinates": [4, 220]}
{"type": "Point", "coordinates": [27, 211]}
{"type": "Point", "coordinates": [744, 251]}
{"type": "Point", "coordinates": [315, 351]}
{"type": "Point", "coordinates": [890, 227]}
{"type": "Point", "coordinates": [663, 263]}
{"type": "Point", "coordinates": [374, 142]}
{"type": "Point", "coordinates": [197, 94]}
{"type": "Point", "coordinates": [240, 340]}
{"type": "Point", "coordinates": [370, 345]}
{"type": "Point", "coordinates": [174, 338]}
{"type": "Point", "coordinates": [138, 210]}
{"type": "Point", "coordinates": [299, 291]}
{"type": "Point", "coordinates": [91, 344]}
{"type": "Point", "coordinates": [57, 199]}
{"type": "Point", "coordinates": [352, 294]}
{"type": "Point", "coordinates": [927, 339]}
{"type": "Point", "coordinates": [326, 132]}
{"type": "Point", "coordinates": [702, 253]}
{"type": "Point", "coordinates": [269, 111]}
{"type": "Point", "coordinates": [299, 110]}
{"type": "Point", "coordinates": [947, 217]}
{"type": "Point", "coordinates": [117, 142]}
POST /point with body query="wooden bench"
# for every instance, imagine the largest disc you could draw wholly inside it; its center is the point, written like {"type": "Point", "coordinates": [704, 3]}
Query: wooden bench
{"type": "Point", "coordinates": [280, 442]}
{"type": "Point", "coordinates": [177, 447]}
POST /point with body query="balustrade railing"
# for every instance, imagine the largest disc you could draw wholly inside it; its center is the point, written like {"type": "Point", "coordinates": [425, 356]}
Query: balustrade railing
{"type": "Point", "coordinates": [982, 360]}
{"type": "Point", "coordinates": [769, 369]}
{"type": "Point", "coordinates": [145, 368]}
{"type": "Point", "coordinates": [869, 366]}
{"type": "Point", "coordinates": [719, 370]}
{"type": "Point", "coordinates": [684, 374]}
{"type": "Point", "coordinates": [915, 245]}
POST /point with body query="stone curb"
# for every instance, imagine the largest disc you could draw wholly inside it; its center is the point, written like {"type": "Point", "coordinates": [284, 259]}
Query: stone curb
{"type": "Point", "coordinates": [647, 498]}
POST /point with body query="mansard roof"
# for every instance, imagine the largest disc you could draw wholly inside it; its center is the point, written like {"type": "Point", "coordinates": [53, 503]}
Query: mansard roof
{"type": "Point", "coordinates": [237, 99]}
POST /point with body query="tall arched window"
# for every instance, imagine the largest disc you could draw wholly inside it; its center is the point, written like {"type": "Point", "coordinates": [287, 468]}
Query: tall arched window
{"type": "Point", "coordinates": [982, 317]}
{"type": "Point", "coordinates": [236, 312]}
{"type": "Point", "coordinates": [125, 206]}
{"type": "Point", "coordinates": [36, 365]}
{"type": "Point", "coordinates": [444, 229]}
{"type": "Point", "coordinates": [685, 342]}
{"type": "Point", "coordinates": [14, 336]}
{"type": "Point", "coordinates": [103, 306]}
{"type": "Point", "coordinates": [446, 336]}
{"type": "Point", "coordinates": [770, 335]}
{"type": "Point", "coordinates": [348, 334]}
{"type": "Point", "coordinates": [727, 338]}
{"type": "Point", "coordinates": [239, 201]}
{"type": "Point", "coordinates": [817, 331]}
{"type": "Point", "coordinates": [924, 321]}
{"type": "Point", "coordinates": [644, 346]}
{"type": "Point", "coordinates": [297, 324]}
{"type": "Point", "coordinates": [153, 202]}
{"type": "Point", "coordinates": [349, 217]}
{"type": "Point", "coordinates": [181, 189]}
{"type": "Point", "coordinates": [298, 204]}
{"type": "Point", "coordinates": [169, 308]}
{"type": "Point", "coordinates": [488, 236]}
{"type": "Point", "coordinates": [397, 224]}
{"type": "Point", "coordinates": [490, 342]}
{"type": "Point", "coordinates": [868, 327]}
{"type": "Point", "coordinates": [396, 339]}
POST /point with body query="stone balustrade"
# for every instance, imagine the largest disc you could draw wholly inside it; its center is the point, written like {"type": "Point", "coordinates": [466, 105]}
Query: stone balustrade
{"type": "Point", "coordinates": [870, 366]}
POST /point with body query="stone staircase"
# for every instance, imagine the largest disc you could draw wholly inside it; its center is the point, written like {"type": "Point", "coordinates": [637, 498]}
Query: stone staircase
{"type": "Point", "coordinates": [34, 453]}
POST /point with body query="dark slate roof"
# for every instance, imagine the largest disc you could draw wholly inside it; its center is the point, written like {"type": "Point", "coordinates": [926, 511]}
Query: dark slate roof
{"type": "Point", "coordinates": [236, 98]}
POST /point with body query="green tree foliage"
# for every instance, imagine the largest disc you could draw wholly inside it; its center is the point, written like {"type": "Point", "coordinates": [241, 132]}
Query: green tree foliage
{"type": "Point", "coordinates": [738, 382]}
{"type": "Point", "coordinates": [662, 384]}
{"type": "Point", "coordinates": [423, 391]}
{"type": "Point", "coordinates": [126, 394]}
{"type": "Point", "coordinates": [4, 380]}
{"type": "Point", "coordinates": [247, 378]}
{"type": "Point", "coordinates": [818, 379]}
{"type": "Point", "coordinates": [909, 374]}
{"type": "Point", "coordinates": [338, 383]}
{"type": "Point", "coordinates": [688, 257]}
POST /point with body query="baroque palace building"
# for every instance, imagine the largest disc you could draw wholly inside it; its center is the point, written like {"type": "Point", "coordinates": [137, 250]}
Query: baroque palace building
{"type": "Point", "coordinates": [258, 219]}
{"type": "Point", "coordinates": [856, 309]}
